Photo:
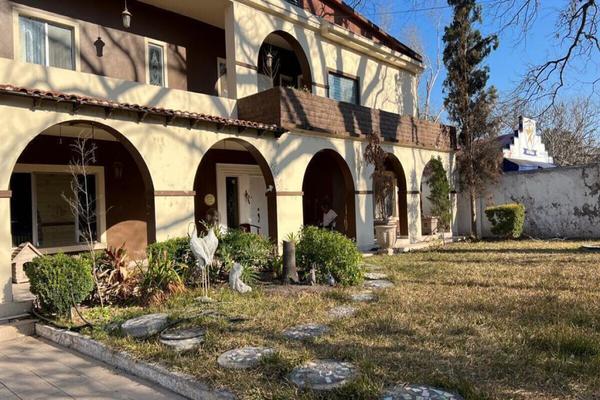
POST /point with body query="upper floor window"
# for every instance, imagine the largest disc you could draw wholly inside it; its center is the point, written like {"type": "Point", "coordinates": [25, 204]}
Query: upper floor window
{"type": "Point", "coordinates": [46, 43]}
{"type": "Point", "coordinates": [156, 64]}
{"type": "Point", "coordinates": [343, 88]}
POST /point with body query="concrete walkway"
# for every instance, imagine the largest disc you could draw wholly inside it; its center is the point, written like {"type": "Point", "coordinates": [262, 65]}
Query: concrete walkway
{"type": "Point", "coordinates": [32, 368]}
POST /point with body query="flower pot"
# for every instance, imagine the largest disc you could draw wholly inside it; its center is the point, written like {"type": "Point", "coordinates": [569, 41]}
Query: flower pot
{"type": "Point", "coordinates": [386, 237]}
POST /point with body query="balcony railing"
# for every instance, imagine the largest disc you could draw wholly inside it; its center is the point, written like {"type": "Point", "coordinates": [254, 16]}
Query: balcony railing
{"type": "Point", "coordinates": [293, 109]}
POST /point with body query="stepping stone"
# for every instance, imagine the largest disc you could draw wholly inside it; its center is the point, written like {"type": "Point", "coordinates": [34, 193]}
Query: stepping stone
{"type": "Point", "coordinates": [365, 296]}
{"type": "Point", "coordinates": [342, 312]}
{"type": "Point", "coordinates": [182, 333]}
{"type": "Point", "coordinates": [418, 392]}
{"type": "Point", "coordinates": [243, 358]}
{"type": "Point", "coordinates": [307, 331]}
{"type": "Point", "coordinates": [323, 374]}
{"type": "Point", "coordinates": [378, 284]}
{"type": "Point", "coordinates": [145, 326]}
{"type": "Point", "coordinates": [183, 344]}
{"type": "Point", "coordinates": [375, 276]}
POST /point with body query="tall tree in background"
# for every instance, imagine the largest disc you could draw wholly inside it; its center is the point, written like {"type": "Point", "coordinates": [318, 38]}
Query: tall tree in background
{"type": "Point", "coordinates": [468, 102]}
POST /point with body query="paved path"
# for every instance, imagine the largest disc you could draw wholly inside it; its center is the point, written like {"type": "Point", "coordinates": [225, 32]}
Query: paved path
{"type": "Point", "coordinates": [32, 368]}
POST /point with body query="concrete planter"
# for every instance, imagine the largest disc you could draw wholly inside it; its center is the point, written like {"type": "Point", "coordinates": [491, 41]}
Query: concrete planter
{"type": "Point", "coordinates": [429, 226]}
{"type": "Point", "coordinates": [386, 237]}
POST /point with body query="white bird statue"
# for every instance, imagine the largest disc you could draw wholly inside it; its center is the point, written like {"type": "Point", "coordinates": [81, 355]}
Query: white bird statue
{"type": "Point", "coordinates": [203, 249]}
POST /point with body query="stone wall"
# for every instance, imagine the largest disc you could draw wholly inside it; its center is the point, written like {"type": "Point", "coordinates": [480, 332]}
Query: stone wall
{"type": "Point", "coordinates": [559, 202]}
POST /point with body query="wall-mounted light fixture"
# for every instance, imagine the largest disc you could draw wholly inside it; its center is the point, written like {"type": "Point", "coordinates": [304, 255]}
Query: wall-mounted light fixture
{"type": "Point", "coordinates": [126, 16]}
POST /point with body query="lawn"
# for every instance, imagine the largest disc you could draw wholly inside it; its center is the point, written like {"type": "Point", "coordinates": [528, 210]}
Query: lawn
{"type": "Point", "coordinates": [500, 320]}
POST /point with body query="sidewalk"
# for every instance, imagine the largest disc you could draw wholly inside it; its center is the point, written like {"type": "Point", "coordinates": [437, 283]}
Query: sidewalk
{"type": "Point", "coordinates": [31, 368]}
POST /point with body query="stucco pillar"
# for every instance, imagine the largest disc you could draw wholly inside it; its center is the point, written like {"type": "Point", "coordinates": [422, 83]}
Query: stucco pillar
{"type": "Point", "coordinates": [230, 33]}
{"type": "Point", "coordinates": [413, 200]}
{"type": "Point", "coordinates": [290, 216]}
{"type": "Point", "coordinates": [174, 214]}
{"type": "Point", "coordinates": [5, 249]}
{"type": "Point", "coordinates": [365, 230]}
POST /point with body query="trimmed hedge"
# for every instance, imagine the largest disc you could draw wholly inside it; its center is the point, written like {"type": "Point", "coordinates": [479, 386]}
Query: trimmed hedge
{"type": "Point", "coordinates": [332, 253]}
{"type": "Point", "coordinates": [60, 281]}
{"type": "Point", "coordinates": [507, 220]}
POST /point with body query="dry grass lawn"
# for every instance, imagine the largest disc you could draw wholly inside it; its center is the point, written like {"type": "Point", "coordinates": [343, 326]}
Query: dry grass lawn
{"type": "Point", "coordinates": [502, 320]}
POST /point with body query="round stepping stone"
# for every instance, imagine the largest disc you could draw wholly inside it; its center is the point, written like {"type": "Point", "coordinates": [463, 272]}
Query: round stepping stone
{"type": "Point", "coordinates": [363, 296]}
{"type": "Point", "coordinates": [145, 326]}
{"type": "Point", "coordinates": [342, 312]}
{"type": "Point", "coordinates": [307, 331]}
{"type": "Point", "coordinates": [245, 357]}
{"type": "Point", "coordinates": [182, 333]}
{"type": "Point", "coordinates": [323, 374]}
{"type": "Point", "coordinates": [379, 284]}
{"type": "Point", "coordinates": [418, 392]}
{"type": "Point", "coordinates": [183, 344]}
{"type": "Point", "coordinates": [375, 276]}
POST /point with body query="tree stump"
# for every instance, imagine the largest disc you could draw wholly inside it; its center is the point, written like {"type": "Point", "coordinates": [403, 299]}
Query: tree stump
{"type": "Point", "coordinates": [290, 273]}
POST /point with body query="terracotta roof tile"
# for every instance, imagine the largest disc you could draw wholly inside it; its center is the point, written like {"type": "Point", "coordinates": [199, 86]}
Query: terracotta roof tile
{"type": "Point", "coordinates": [166, 112]}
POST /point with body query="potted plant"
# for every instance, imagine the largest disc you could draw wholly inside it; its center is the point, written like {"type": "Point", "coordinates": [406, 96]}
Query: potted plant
{"type": "Point", "coordinates": [383, 186]}
{"type": "Point", "coordinates": [439, 197]}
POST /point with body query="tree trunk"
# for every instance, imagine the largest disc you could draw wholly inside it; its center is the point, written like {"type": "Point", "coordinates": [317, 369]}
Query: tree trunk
{"type": "Point", "coordinates": [473, 199]}
{"type": "Point", "coordinates": [290, 273]}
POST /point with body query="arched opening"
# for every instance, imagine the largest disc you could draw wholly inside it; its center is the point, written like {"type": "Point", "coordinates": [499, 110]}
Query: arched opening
{"type": "Point", "coordinates": [396, 201]}
{"type": "Point", "coordinates": [328, 182]}
{"type": "Point", "coordinates": [432, 222]}
{"type": "Point", "coordinates": [235, 185]}
{"type": "Point", "coordinates": [45, 187]}
{"type": "Point", "coordinates": [282, 62]}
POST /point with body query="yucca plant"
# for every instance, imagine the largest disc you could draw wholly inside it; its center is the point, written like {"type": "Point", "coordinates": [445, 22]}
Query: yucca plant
{"type": "Point", "coordinates": [160, 279]}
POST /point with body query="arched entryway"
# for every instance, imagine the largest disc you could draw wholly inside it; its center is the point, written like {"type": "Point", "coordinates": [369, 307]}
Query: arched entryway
{"type": "Point", "coordinates": [117, 182]}
{"type": "Point", "coordinates": [396, 203]}
{"type": "Point", "coordinates": [328, 180]}
{"type": "Point", "coordinates": [282, 62]}
{"type": "Point", "coordinates": [235, 184]}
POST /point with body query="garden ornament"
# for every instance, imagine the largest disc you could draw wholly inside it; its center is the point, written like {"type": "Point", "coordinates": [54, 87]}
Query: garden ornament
{"type": "Point", "coordinates": [203, 249]}
{"type": "Point", "coordinates": [235, 279]}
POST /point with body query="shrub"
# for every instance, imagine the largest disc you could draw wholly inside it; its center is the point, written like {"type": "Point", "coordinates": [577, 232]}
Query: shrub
{"type": "Point", "coordinates": [159, 279]}
{"type": "Point", "coordinates": [177, 249]}
{"type": "Point", "coordinates": [116, 281]}
{"type": "Point", "coordinates": [507, 220]}
{"type": "Point", "coordinates": [252, 251]}
{"type": "Point", "coordinates": [60, 281]}
{"type": "Point", "coordinates": [332, 253]}
{"type": "Point", "coordinates": [441, 206]}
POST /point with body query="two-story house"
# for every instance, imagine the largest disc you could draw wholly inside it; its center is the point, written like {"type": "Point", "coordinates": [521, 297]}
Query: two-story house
{"type": "Point", "coordinates": [253, 110]}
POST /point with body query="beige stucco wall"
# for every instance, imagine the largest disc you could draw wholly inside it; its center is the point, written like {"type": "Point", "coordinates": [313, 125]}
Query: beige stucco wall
{"type": "Point", "coordinates": [382, 85]}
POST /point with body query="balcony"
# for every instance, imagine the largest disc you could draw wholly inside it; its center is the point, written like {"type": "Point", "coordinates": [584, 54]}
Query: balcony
{"type": "Point", "coordinates": [293, 109]}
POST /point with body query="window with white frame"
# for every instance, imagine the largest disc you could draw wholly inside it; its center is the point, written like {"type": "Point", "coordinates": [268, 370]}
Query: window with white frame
{"type": "Point", "coordinates": [156, 64]}
{"type": "Point", "coordinates": [343, 88]}
{"type": "Point", "coordinates": [46, 43]}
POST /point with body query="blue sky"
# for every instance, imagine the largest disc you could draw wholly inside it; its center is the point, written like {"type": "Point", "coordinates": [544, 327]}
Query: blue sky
{"type": "Point", "coordinates": [507, 64]}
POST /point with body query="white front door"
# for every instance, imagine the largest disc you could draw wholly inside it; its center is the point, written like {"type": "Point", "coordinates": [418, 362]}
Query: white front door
{"type": "Point", "coordinates": [252, 201]}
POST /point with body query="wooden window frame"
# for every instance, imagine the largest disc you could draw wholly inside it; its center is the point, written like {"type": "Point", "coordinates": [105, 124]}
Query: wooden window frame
{"type": "Point", "coordinates": [347, 76]}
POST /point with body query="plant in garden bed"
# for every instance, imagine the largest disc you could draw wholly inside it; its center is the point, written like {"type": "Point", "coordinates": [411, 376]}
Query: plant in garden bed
{"type": "Point", "coordinates": [441, 205]}
{"type": "Point", "coordinates": [331, 253]}
{"type": "Point", "coordinates": [252, 251]}
{"type": "Point", "coordinates": [59, 282]}
{"type": "Point", "coordinates": [160, 279]}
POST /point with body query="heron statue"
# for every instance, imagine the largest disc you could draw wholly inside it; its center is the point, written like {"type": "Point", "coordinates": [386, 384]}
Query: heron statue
{"type": "Point", "coordinates": [203, 249]}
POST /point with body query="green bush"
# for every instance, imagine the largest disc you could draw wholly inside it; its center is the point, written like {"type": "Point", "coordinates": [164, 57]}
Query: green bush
{"type": "Point", "coordinates": [159, 279]}
{"type": "Point", "coordinates": [252, 251]}
{"type": "Point", "coordinates": [507, 220]}
{"type": "Point", "coordinates": [177, 249]}
{"type": "Point", "coordinates": [332, 253]}
{"type": "Point", "coordinates": [60, 281]}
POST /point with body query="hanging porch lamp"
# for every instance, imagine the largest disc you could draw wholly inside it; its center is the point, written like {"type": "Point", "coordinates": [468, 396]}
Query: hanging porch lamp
{"type": "Point", "coordinates": [126, 16]}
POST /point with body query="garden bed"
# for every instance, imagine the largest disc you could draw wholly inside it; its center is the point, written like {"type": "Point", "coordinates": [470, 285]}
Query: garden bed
{"type": "Point", "coordinates": [498, 320]}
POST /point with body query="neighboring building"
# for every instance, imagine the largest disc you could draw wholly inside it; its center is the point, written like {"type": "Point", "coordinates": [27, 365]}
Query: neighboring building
{"type": "Point", "coordinates": [523, 150]}
{"type": "Point", "coordinates": [257, 109]}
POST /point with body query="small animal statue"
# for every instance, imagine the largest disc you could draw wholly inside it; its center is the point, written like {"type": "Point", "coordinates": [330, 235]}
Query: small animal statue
{"type": "Point", "coordinates": [203, 250]}
{"type": "Point", "coordinates": [331, 280]}
{"type": "Point", "coordinates": [235, 279]}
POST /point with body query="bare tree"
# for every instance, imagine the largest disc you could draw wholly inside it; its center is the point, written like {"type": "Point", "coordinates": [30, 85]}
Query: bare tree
{"type": "Point", "coordinates": [81, 202]}
{"type": "Point", "coordinates": [576, 37]}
